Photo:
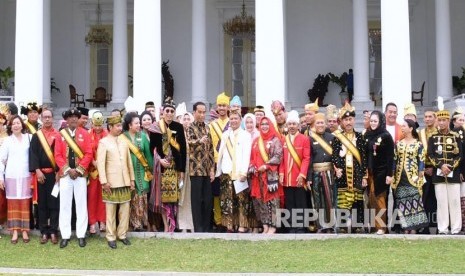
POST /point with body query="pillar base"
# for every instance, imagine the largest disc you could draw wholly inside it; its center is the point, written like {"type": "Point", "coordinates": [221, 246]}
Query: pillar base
{"type": "Point", "coordinates": [363, 105]}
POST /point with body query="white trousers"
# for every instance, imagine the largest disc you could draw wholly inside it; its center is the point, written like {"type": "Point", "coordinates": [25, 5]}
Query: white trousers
{"type": "Point", "coordinates": [68, 187]}
{"type": "Point", "coordinates": [449, 210]}
{"type": "Point", "coordinates": [462, 189]}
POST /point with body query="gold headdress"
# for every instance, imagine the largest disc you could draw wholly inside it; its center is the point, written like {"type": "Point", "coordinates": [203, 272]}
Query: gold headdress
{"type": "Point", "coordinates": [222, 99]}
{"type": "Point", "coordinates": [441, 113]}
{"type": "Point", "coordinates": [410, 109]}
{"type": "Point", "coordinates": [97, 118]}
{"type": "Point", "coordinates": [331, 112]}
{"type": "Point", "coordinates": [346, 111]}
{"type": "Point", "coordinates": [113, 120]}
{"type": "Point", "coordinates": [312, 106]}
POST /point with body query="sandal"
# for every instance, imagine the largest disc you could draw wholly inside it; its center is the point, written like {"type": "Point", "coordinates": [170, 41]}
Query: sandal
{"type": "Point", "coordinates": [92, 229]}
{"type": "Point", "coordinates": [103, 227]}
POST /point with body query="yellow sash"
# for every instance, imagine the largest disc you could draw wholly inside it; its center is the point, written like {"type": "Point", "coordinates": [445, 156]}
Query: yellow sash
{"type": "Point", "coordinates": [326, 147]}
{"type": "Point", "coordinates": [292, 151]}
{"type": "Point", "coordinates": [168, 132]}
{"type": "Point", "coordinates": [31, 128]}
{"type": "Point", "coordinates": [47, 149]}
{"type": "Point", "coordinates": [217, 130]}
{"type": "Point", "coordinates": [350, 146]}
{"type": "Point", "coordinates": [261, 147]}
{"type": "Point", "coordinates": [423, 138]}
{"type": "Point", "coordinates": [230, 147]}
{"type": "Point", "coordinates": [71, 143]}
{"type": "Point", "coordinates": [135, 150]}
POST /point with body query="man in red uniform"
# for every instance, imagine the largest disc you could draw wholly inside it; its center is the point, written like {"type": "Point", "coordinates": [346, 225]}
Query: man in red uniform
{"type": "Point", "coordinates": [73, 154]}
{"type": "Point", "coordinates": [293, 170]}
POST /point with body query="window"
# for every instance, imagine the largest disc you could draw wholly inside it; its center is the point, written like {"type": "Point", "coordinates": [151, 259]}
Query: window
{"type": "Point", "coordinates": [240, 69]}
{"type": "Point", "coordinates": [101, 63]}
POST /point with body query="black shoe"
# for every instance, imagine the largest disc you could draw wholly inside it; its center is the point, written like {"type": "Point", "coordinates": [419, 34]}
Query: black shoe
{"type": "Point", "coordinates": [82, 242]}
{"type": "Point", "coordinates": [112, 244]}
{"type": "Point", "coordinates": [64, 243]}
{"type": "Point", "coordinates": [125, 241]}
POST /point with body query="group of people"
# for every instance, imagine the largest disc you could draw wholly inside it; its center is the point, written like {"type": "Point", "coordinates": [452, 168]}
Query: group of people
{"type": "Point", "coordinates": [251, 173]}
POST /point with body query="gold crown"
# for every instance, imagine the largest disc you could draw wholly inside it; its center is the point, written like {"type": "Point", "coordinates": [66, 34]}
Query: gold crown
{"type": "Point", "coordinates": [443, 114]}
{"type": "Point", "coordinates": [346, 111]}
{"type": "Point", "coordinates": [97, 118]}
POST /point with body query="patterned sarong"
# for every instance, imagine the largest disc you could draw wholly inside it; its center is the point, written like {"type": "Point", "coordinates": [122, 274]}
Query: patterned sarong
{"type": "Point", "coordinates": [324, 197]}
{"type": "Point", "coordinates": [169, 186]}
{"type": "Point", "coordinates": [118, 195]}
{"type": "Point", "coordinates": [409, 206]}
{"type": "Point", "coordinates": [234, 207]}
{"type": "Point", "coordinates": [138, 218]}
{"type": "Point", "coordinates": [18, 214]}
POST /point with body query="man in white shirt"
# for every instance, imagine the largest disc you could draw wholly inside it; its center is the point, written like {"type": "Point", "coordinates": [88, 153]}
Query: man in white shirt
{"type": "Point", "coordinates": [232, 166]}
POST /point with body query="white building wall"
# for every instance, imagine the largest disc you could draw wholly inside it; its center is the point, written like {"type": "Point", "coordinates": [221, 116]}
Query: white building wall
{"type": "Point", "coordinates": [319, 40]}
{"type": "Point", "coordinates": [176, 44]}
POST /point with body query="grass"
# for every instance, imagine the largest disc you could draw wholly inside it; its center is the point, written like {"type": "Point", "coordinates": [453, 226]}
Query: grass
{"type": "Point", "coordinates": [325, 256]}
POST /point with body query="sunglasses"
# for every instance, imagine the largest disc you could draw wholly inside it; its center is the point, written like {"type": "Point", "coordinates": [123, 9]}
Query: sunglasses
{"type": "Point", "coordinates": [169, 111]}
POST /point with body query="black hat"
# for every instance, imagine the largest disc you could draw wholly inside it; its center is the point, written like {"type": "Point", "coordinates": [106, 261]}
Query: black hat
{"type": "Point", "coordinates": [30, 107]}
{"type": "Point", "coordinates": [71, 112]}
{"type": "Point", "coordinates": [149, 104]}
{"type": "Point", "coordinates": [169, 103]}
{"type": "Point", "coordinates": [84, 111]}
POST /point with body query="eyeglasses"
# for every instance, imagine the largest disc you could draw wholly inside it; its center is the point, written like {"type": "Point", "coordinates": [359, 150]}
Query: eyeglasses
{"type": "Point", "coordinates": [169, 111]}
{"type": "Point", "coordinates": [264, 124]}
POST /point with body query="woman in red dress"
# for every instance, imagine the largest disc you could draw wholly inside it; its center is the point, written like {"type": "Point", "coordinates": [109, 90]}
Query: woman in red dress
{"type": "Point", "coordinates": [95, 204]}
{"type": "Point", "coordinates": [267, 151]}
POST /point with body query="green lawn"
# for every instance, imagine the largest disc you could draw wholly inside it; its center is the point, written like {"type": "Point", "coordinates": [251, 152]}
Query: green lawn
{"type": "Point", "coordinates": [335, 255]}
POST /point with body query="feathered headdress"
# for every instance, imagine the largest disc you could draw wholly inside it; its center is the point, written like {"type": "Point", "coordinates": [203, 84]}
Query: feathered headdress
{"type": "Point", "coordinates": [441, 113]}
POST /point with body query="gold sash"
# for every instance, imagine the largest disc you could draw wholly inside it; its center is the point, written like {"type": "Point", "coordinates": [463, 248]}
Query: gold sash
{"type": "Point", "coordinates": [261, 147]}
{"type": "Point", "coordinates": [217, 130]}
{"type": "Point", "coordinates": [93, 172]}
{"type": "Point", "coordinates": [47, 149]}
{"type": "Point", "coordinates": [349, 145]}
{"type": "Point", "coordinates": [71, 143]}
{"type": "Point", "coordinates": [31, 128]}
{"type": "Point", "coordinates": [326, 147]}
{"type": "Point", "coordinates": [423, 139]}
{"type": "Point", "coordinates": [292, 151]}
{"type": "Point", "coordinates": [168, 132]}
{"type": "Point", "coordinates": [135, 150]}
{"type": "Point", "coordinates": [230, 148]}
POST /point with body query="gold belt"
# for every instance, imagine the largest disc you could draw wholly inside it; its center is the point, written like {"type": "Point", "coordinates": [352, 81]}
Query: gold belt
{"type": "Point", "coordinates": [322, 167]}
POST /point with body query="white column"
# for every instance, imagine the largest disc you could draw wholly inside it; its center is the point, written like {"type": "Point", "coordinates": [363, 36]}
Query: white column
{"type": "Point", "coordinates": [443, 50]}
{"type": "Point", "coordinates": [120, 52]}
{"type": "Point", "coordinates": [361, 71]}
{"type": "Point", "coordinates": [395, 49]}
{"type": "Point", "coordinates": [270, 52]}
{"type": "Point", "coordinates": [147, 52]}
{"type": "Point", "coordinates": [29, 51]}
{"type": "Point", "coordinates": [199, 52]}
{"type": "Point", "coordinates": [47, 54]}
